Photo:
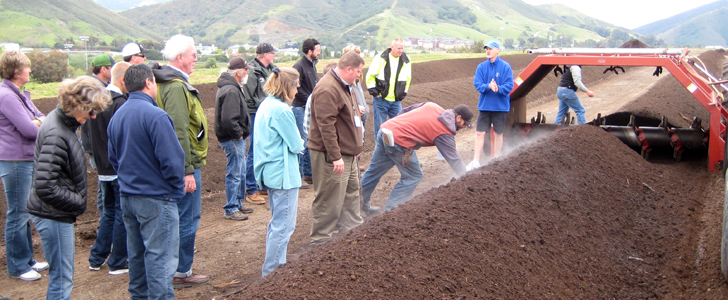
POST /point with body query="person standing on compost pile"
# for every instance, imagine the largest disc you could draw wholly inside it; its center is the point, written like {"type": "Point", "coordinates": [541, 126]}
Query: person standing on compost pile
{"type": "Point", "coordinates": [494, 81]}
{"type": "Point", "coordinates": [570, 82]}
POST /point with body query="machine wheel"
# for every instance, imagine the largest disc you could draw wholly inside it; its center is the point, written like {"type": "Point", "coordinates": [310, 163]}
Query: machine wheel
{"type": "Point", "coordinates": [724, 235]}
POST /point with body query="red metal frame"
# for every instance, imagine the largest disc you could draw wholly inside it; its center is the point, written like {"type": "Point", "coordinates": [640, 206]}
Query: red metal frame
{"type": "Point", "coordinates": [675, 64]}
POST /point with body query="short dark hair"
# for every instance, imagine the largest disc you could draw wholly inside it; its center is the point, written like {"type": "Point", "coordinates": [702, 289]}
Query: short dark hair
{"type": "Point", "coordinates": [97, 70]}
{"type": "Point", "coordinates": [309, 44]}
{"type": "Point", "coordinates": [136, 77]}
{"type": "Point", "coordinates": [128, 58]}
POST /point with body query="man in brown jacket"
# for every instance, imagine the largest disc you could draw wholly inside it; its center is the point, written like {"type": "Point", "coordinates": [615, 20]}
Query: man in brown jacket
{"type": "Point", "coordinates": [334, 141]}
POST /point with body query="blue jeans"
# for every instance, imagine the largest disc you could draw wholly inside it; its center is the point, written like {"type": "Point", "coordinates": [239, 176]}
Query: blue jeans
{"type": "Point", "coordinates": [305, 158]}
{"type": "Point", "coordinates": [111, 230]}
{"type": "Point", "coordinates": [250, 184]}
{"type": "Point", "coordinates": [59, 246]}
{"type": "Point", "coordinates": [384, 158]}
{"type": "Point", "coordinates": [284, 208]}
{"type": "Point", "coordinates": [99, 192]}
{"type": "Point", "coordinates": [17, 179]}
{"type": "Point", "coordinates": [152, 228]}
{"type": "Point", "coordinates": [382, 110]}
{"type": "Point", "coordinates": [189, 207]}
{"type": "Point", "coordinates": [235, 177]}
{"type": "Point", "coordinates": [569, 99]}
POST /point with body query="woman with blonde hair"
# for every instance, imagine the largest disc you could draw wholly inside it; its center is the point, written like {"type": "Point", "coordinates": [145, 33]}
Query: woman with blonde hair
{"type": "Point", "coordinates": [19, 122]}
{"type": "Point", "coordinates": [276, 162]}
{"type": "Point", "coordinates": [59, 191]}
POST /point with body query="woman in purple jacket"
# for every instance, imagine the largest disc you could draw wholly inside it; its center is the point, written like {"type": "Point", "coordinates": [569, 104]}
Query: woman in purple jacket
{"type": "Point", "coordinates": [19, 123]}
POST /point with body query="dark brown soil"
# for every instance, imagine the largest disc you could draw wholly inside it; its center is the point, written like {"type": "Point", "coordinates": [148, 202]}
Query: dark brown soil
{"type": "Point", "coordinates": [575, 215]}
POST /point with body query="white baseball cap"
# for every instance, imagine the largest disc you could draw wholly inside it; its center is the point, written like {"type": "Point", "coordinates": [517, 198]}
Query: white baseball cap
{"type": "Point", "coordinates": [132, 48]}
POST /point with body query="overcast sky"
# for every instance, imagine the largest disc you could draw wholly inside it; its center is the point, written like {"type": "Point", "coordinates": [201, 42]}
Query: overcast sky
{"type": "Point", "coordinates": [629, 14]}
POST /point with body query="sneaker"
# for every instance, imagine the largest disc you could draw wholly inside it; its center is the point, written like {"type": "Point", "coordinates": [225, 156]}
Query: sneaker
{"type": "Point", "coordinates": [40, 266]}
{"type": "Point", "coordinates": [94, 268]}
{"type": "Point", "coordinates": [31, 275]}
{"type": "Point", "coordinates": [304, 185]}
{"type": "Point", "coordinates": [245, 210]}
{"type": "Point", "coordinates": [472, 165]}
{"type": "Point", "coordinates": [237, 216]}
{"type": "Point", "coordinates": [255, 199]}
{"type": "Point", "coordinates": [308, 180]}
{"type": "Point", "coordinates": [189, 281]}
{"type": "Point", "coordinates": [119, 271]}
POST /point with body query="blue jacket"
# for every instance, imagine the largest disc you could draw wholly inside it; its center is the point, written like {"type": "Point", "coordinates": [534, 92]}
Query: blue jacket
{"type": "Point", "coordinates": [501, 71]}
{"type": "Point", "coordinates": [144, 150]}
{"type": "Point", "coordinates": [276, 155]}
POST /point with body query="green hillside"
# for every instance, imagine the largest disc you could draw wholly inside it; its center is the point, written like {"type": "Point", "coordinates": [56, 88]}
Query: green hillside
{"type": "Point", "coordinates": [336, 22]}
{"type": "Point", "coordinates": [43, 23]}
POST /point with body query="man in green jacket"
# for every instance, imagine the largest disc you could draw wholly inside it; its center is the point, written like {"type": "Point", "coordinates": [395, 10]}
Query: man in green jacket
{"type": "Point", "coordinates": [254, 95]}
{"type": "Point", "coordinates": [182, 102]}
{"type": "Point", "coordinates": [388, 81]}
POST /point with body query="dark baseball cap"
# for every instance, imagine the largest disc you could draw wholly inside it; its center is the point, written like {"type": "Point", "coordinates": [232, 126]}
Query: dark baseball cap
{"type": "Point", "coordinates": [238, 63]}
{"type": "Point", "coordinates": [265, 48]}
{"type": "Point", "coordinates": [465, 113]}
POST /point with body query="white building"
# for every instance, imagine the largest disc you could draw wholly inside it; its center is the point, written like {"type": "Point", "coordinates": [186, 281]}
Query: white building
{"type": "Point", "coordinates": [10, 46]}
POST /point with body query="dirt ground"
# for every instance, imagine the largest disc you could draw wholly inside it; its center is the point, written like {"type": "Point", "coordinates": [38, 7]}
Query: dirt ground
{"type": "Point", "coordinates": [574, 215]}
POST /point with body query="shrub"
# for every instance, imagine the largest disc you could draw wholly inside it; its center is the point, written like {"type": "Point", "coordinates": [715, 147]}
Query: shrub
{"type": "Point", "coordinates": [51, 67]}
{"type": "Point", "coordinates": [211, 63]}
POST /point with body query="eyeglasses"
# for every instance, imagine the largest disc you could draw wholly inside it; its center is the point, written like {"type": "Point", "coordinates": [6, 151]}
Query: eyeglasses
{"type": "Point", "coordinates": [141, 55]}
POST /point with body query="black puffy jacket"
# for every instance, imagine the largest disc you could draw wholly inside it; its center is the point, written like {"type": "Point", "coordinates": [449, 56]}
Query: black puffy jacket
{"type": "Point", "coordinates": [59, 186]}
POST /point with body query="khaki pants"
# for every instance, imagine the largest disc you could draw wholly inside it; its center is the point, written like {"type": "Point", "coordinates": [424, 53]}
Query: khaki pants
{"type": "Point", "coordinates": [336, 197]}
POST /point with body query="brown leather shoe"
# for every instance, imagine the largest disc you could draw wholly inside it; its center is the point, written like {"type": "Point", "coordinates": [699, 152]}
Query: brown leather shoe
{"type": "Point", "coordinates": [192, 280]}
{"type": "Point", "coordinates": [237, 216]}
{"type": "Point", "coordinates": [308, 180]}
{"type": "Point", "coordinates": [255, 198]}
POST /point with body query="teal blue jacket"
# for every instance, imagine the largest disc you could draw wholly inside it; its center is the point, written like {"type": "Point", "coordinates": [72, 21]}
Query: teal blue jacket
{"type": "Point", "coordinates": [276, 146]}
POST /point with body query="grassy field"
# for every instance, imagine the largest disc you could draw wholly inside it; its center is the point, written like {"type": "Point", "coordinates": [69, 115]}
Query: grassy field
{"type": "Point", "coordinates": [201, 75]}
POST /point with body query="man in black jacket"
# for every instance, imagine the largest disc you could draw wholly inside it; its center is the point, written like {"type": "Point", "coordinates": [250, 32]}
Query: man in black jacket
{"type": "Point", "coordinates": [308, 77]}
{"type": "Point", "coordinates": [111, 228]}
{"type": "Point", "coordinates": [254, 95]}
{"type": "Point", "coordinates": [232, 126]}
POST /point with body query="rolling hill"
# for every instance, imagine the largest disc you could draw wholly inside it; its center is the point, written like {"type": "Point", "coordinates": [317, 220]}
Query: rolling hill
{"type": "Point", "coordinates": [336, 22]}
{"type": "Point", "coordinates": [41, 23]}
{"type": "Point", "coordinates": [703, 26]}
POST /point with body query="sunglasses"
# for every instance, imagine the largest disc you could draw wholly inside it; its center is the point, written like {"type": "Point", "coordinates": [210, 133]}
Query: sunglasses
{"type": "Point", "coordinates": [141, 55]}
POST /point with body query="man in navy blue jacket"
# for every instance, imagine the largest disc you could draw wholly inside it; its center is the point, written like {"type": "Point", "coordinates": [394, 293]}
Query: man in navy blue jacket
{"type": "Point", "coordinates": [494, 81]}
{"type": "Point", "coordinates": [149, 162]}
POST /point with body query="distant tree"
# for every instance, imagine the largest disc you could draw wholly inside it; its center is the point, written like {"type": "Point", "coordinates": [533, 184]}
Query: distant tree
{"type": "Point", "coordinates": [508, 43]}
{"type": "Point", "coordinates": [254, 38]}
{"type": "Point", "coordinates": [51, 67]}
{"type": "Point", "coordinates": [211, 63]}
{"type": "Point", "coordinates": [477, 47]}
{"type": "Point", "coordinates": [222, 58]}
{"type": "Point", "coordinates": [154, 54]}
{"type": "Point", "coordinates": [242, 50]}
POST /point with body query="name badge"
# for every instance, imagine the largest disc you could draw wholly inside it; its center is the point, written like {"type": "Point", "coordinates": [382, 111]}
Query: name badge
{"type": "Point", "coordinates": [357, 121]}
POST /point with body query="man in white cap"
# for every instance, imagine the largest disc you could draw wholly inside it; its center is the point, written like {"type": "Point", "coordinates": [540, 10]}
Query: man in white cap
{"type": "Point", "coordinates": [134, 53]}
